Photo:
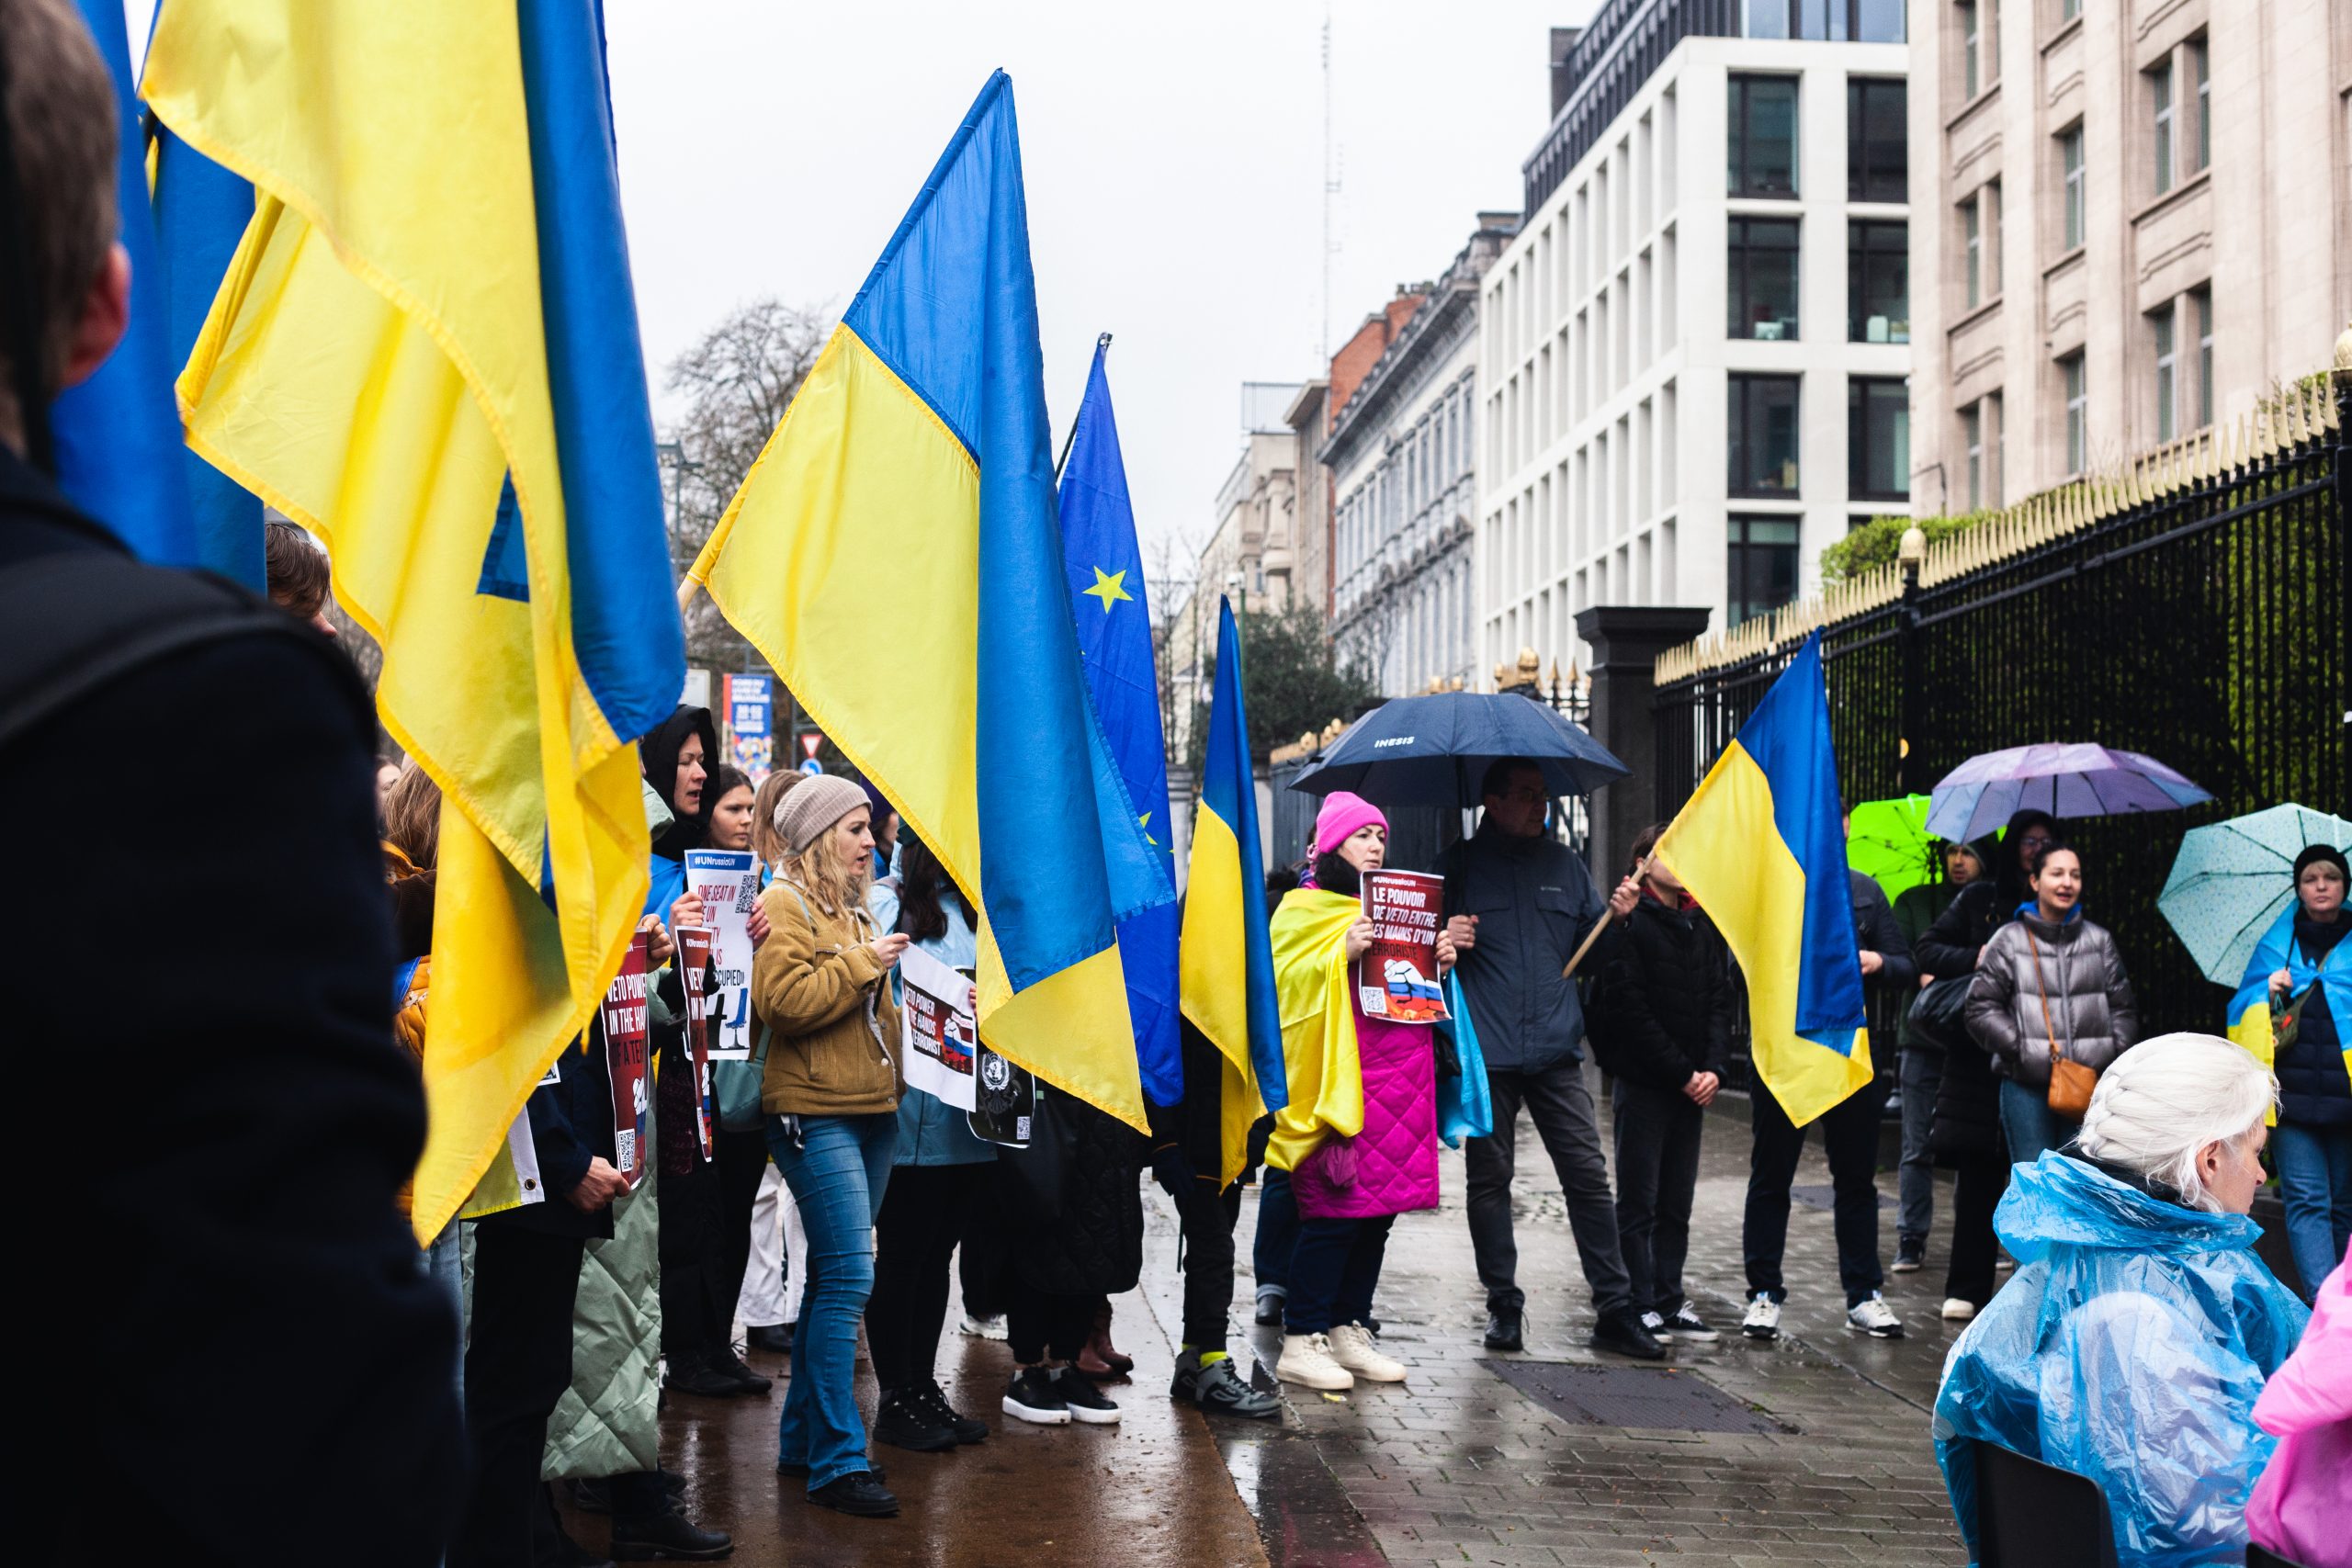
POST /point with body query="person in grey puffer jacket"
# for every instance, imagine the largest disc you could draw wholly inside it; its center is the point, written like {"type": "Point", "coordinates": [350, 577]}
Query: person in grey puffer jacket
{"type": "Point", "coordinates": [2049, 976]}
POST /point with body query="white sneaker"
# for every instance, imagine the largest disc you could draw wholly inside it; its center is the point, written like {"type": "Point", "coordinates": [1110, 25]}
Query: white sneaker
{"type": "Point", "coordinates": [1763, 1319]}
{"type": "Point", "coordinates": [1351, 1346]}
{"type": "Point", "coordinates": [1306, 1361]}
{"type": "Point", "coordinates": [1872, 1316]}
{"type": "Point", "coordinates": [982, 1328]}
{"type": "Point", "coordinates": [1958, 1311]}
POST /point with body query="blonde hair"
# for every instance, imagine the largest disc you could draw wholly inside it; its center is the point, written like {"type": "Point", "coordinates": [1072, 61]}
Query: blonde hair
{"type": "Point", "coordinates": [2162, 1101]}
{"type": "Point", "coordinates": [839, 888]}
{"type": "Point", "coordinates": [766, 842]}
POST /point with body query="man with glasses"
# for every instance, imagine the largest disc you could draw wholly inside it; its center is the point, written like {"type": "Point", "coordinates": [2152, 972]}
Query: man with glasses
{"type": "Point", "coordinates": [1518, 904]}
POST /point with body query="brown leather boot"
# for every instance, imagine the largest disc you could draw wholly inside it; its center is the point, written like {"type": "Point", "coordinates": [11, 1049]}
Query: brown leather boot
{"type": "Point", "coordinates": [1100, 1349]}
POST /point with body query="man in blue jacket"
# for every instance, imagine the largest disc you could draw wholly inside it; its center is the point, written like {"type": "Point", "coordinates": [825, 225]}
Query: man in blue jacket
{"type": "Point", "coordinates": [1518, 904]}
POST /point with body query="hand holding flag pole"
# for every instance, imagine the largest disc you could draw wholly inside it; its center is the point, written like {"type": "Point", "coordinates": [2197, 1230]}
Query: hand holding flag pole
{"type": "Point", "coordinates": [1608, 917]}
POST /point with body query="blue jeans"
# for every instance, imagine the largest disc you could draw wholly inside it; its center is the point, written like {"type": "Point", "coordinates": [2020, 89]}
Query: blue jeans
{"type": "Point", "coordinates": [837, 1177]}
{"type": "Point", "coordinates": [444, 1265]}
{"type": "Point", "coordinates": [2315, 1181]}
{"type": "Point", "coordinates": [2031, 1125]}
{"type": "Point", "coordinates": [1334, 1272]}
{"type": "Point", "coordinates": [1920, 1074]}
{"type": "Point", "coordinates": [1277, 1231]}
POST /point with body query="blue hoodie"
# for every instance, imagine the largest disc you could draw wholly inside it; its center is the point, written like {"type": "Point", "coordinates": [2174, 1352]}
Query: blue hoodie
{"type": "Point", "coordinates": [2130, 1348]}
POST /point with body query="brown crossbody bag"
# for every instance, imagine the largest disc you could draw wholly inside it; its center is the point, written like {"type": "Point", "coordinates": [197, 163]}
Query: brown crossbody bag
{"type": "Point", "coordinates": [2071, 1082]}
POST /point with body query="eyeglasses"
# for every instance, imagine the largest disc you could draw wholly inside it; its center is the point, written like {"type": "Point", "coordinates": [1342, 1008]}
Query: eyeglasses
{"type": "Point", "coordinates": [1525, 794]}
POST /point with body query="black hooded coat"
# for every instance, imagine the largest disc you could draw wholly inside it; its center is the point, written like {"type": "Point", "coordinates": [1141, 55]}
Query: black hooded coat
{"type": "Point", "coordinates": [1968, 1097]}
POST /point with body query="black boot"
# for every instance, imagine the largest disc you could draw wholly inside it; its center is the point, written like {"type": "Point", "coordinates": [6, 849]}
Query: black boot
{"type": "Point", "coordinates": [669, 1534]}
{"type": "Point", "coordinates": [1622, 1331]}
{"type": "Point", "coordinates": [726, 1364]}
{"type": "Point", "coordinates": [857, 1493]}
{"type": "Point", "coordinates": [772, 1336]}
{"type": "Point", "coordinates": [694, 1374]}
{"type": "Point", "coordinates": [1503, 1331]}
{"type": "Point", "coordinates": [902, 1421]}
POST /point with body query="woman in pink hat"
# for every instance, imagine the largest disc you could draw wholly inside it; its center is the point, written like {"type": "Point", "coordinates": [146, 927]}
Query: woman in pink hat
{"type": "Point", "coordinates": [1360, 1133]}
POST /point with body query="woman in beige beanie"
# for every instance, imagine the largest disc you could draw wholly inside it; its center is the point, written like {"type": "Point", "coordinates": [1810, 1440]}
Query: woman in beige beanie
{"type": "Point", "coordinates": [831, 1092]}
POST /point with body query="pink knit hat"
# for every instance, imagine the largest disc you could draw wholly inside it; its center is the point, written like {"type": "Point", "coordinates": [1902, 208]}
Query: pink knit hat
{"type": "Point", "coordinates": [1341, 815]}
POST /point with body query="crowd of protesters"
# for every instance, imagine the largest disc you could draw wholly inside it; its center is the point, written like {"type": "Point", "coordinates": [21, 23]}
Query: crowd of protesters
{"type": "Point", "coordinates": [2132, 1342]}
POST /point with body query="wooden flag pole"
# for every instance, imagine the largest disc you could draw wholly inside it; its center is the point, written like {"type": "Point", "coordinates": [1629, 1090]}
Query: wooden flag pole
{"type": "Point", "coordinates": [1602, 924]}
{"type": "Point", "coordinates": [686, 594]}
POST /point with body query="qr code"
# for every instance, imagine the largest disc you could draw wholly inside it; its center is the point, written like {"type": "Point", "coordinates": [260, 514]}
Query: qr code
{"type": "Point", "coordinates": [1021, 1128]}
{"type": "Point", "coordinates": [1374, 1000]}
{"type": "Point", "coordinates": [625, 1148]}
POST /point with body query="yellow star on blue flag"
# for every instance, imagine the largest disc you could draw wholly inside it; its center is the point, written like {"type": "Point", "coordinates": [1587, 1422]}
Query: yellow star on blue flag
{"type": "Point", "coordinates": [1109, 587]}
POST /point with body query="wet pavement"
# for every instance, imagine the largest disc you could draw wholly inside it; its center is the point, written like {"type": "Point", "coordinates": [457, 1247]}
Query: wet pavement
{"type": "Point", "coordinates": [1827, 1459]}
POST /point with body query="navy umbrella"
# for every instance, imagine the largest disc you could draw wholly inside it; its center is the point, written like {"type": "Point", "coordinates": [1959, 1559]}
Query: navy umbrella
{"type": "Point", "coordinates": [1435, 749]}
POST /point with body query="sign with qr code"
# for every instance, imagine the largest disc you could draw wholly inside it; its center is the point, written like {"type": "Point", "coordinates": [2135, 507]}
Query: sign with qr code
{"type": "Point", "coordinates": [1397, 979]}
{"type": "Point", "coordinates": [623, 1016]}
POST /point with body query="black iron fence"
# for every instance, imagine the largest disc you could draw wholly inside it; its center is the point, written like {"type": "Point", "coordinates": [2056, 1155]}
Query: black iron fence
{"type": "Point", "coordinates": [2192, 607]}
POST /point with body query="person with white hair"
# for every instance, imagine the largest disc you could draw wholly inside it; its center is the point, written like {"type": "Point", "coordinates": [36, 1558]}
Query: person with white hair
{"type": "Point", "coordinates": [2139, 1329]}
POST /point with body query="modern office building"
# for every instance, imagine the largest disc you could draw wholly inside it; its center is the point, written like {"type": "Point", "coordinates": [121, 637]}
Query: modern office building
{"type": "Point", "coordinates": [1404, 600]}
{"type": "Point", "coordinates": [2134, 218]}
{"type": "Point", "coordinates": [1691, 358]}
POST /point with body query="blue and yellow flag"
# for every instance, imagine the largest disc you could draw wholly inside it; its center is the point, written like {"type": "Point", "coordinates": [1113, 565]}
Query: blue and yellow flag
{"type": "Point", "coordinates": [1228, 960]}
{"type": "Point", "coordinates": [426, 351]}
{"type": "Point", "coordinates": [2249, 1017]}
{"type": "Point", "coordinates": [1106, 594]}
{"type": "Point", "coordinates": [117, 435]}
{"type": "Point", "coordinates": [894, 555]}
{"type": "Point", "coordinates": [1759, 845]}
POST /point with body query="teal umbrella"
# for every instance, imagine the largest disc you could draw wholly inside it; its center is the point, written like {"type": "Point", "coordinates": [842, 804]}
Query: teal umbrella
{"type": "Point", "coordinates": [2231, 881]}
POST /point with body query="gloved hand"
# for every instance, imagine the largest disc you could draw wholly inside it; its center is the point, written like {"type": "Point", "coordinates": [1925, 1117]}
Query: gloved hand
{"type": "Point", "coordinates": [1171, 1170]}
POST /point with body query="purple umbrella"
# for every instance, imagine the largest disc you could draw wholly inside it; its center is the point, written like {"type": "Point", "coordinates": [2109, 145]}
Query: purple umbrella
{"type": "Point", "coordinates": [2065, 781]}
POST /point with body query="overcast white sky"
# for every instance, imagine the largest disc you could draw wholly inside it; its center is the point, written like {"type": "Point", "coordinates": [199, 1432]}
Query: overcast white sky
{"type": "Point", "coordinates": [1174, 163]}
{"type": "Point", "coordinates": [1174, 156]}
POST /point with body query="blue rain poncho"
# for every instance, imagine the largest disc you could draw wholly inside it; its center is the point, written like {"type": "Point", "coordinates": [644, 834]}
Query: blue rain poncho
{"type": "Point", "coordinates": [2128, 1348]}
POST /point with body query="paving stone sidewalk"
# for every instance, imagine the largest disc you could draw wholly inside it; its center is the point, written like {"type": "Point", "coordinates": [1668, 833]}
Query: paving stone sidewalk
{"type": "Point", "coordinates": [1457, 1466]}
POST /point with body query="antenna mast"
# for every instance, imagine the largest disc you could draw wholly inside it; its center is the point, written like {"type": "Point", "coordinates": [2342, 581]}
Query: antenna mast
{"type": "Point", "coordinates": [1331, 190]}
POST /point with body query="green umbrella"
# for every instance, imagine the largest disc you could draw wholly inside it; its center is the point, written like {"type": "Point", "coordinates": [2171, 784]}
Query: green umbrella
{"type": "Point", "coordinates": [1887, 842]}
{"type": "Point", "coordinates": [2231, 881]}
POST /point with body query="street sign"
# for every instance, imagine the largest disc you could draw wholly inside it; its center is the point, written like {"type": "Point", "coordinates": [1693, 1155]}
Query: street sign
{"type": "Point", "coordinates": [813, 768]}
{"type": "Point", "coordinates": [809, 741]}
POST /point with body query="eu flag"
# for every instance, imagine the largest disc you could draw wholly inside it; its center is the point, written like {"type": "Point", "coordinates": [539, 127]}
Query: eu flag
{"type": "Point", "coordinates": [1106, 594]}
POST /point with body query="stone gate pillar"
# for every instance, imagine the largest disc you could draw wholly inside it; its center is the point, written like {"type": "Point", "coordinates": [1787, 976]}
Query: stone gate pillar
{"type": "Point", "coordinates": [1626, 640]}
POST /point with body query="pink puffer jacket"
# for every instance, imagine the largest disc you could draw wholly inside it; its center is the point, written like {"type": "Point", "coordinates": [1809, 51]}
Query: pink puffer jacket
{"type": "Point", "coordinates": [2302, 1504]}
{"type": "Point", "coordinates": [1391, 1166]}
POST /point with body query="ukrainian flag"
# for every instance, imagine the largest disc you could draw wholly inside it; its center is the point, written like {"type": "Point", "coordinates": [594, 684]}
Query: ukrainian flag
{"type": "Point", "coordinates": [1226, 959]}
{"type": "Point", "coordinates": [426, 351]}
{"type": "Point", "coordinates": [1761, 847]}
{"type": "Point", "coordinates": [2249, 1015]}
{"type": "Point", "coordinates": [894, 555]}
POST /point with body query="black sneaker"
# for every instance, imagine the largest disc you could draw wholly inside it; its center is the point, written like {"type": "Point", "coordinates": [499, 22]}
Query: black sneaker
{"type": "Point", "coordinates": [696, 1375]}
{"type": "Point", "coordinates": [772, 1336]}
{"type": "Point", "coordinates": [785, 1467]}
{"type": "Point", "coordinates": [1216, 1387]}
{"type": "Point", "coordinates": [669, 1534]}
{"type": "Point", "coordinates": [1084, 1401]}
{"type": "Point", "coordinates": [1622, 1331]}
{"type": "Point", "coordinates": [857, 1493]}
{"type": "Point", "coordinates": [1504, 1331]}
{"type": "Point", "coordinates": [726, 1364]}
{"type": "Point", "coordinates": [902, 1422]}
{"type": "Point", "coordinates": [1033, 1397]}
{"type": "Point", "coordinates": [1910, 1254]}
{"type": "Point", "coordinates": [934, 1401]}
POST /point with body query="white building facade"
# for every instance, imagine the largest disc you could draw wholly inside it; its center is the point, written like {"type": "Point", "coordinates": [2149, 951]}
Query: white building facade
{"type": "Point", "coordinates": [1693, 356]}
{"type": "Point", "coordinates": [1402, 457]}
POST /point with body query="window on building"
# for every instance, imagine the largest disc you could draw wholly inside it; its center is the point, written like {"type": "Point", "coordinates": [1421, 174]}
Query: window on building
{"type": "Point", "coordinates": [2198, 74]}
{"type": "Point", "coordinates": [2168, 375]}
{"type": "Point", "coordinates": [2160, 91]}
{"type": "Point", "coordinates": [1760, 574]}
{"type": "Point", "coordinates": [1972, 241]}
{"type": "Point", "coordinates": [1878, 282]}
{"type": "Point", "coordinates": [2201, 300]}
{"type": "Point", "coordinates": [1763, 422]}
{"type": "Point", "coordinates": [2070, 179]}
{"type": "Point", "coordinates": [1970, 41]}
{"type": "Point", "coordinates": [1878, 439]}
{"type": "Point", "coordinates": [1762, 285]}
{"type": "Point", "coordinates": [1832, 21]}
{"type": "Point", "coordinates": [1763, 150]}
{"type": "Point", "coordinates": [2070, 371]}
{"type": "Point", "coordinates": [1972, 430]}
{"type": "Point", "coordinates": [2068, 10]}
{"type": "Point", "coordinates": [1876, 146]}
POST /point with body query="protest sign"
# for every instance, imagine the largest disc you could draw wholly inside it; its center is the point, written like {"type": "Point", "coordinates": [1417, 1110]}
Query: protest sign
{"type": "Point", "coordinates": [693, 968]}
{"type": "Point", "coordinates": [1003, 1102]}
{"type": "Point", "coordinates": [728, 881]}
{"type": "Point", "coordinates": [936, 1028]}
{"type": "Point", "coordinates": [624, 1035]}
{"type": "Point", "coordinates": [1398, 980]}
{"type": "Point", "coordinates": [750, 704]}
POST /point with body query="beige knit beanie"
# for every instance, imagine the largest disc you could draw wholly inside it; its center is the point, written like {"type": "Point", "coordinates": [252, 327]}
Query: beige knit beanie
{"type": "Point", "coordinates": [808, 809]}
